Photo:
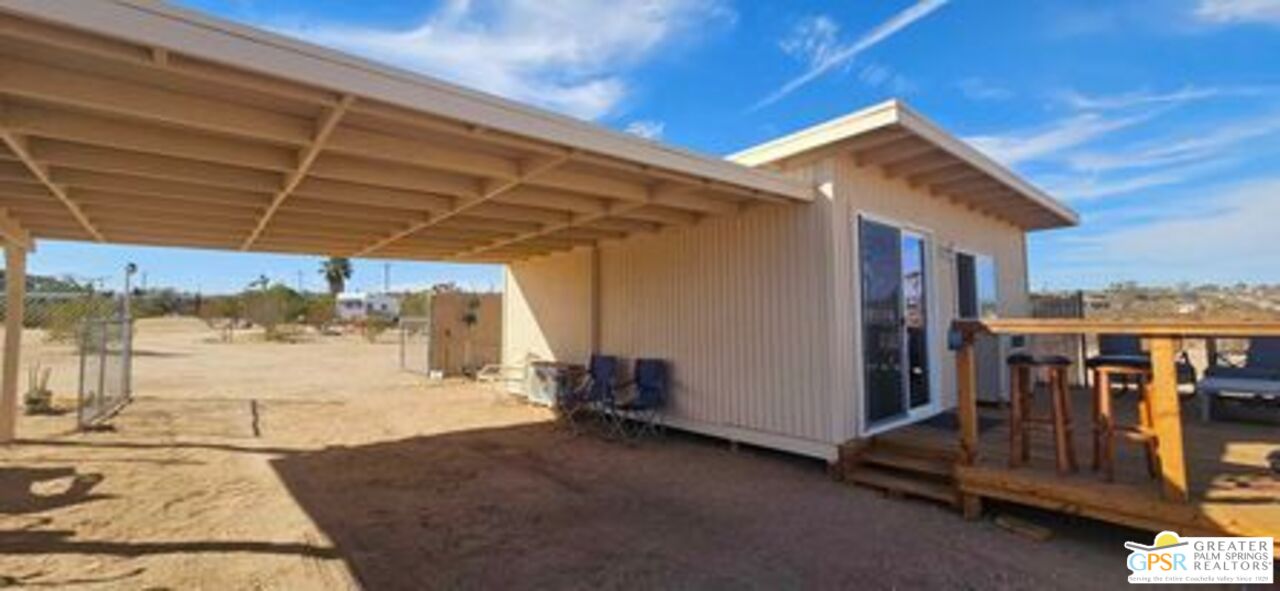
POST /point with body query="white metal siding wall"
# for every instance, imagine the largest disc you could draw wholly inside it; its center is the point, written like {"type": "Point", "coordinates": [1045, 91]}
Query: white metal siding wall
{"type": "Point", "coordinates": [738, 305]}
{"type": "Point", "coordinates": [546, 309]}
{"type": "Point", "coordinates": [951, 226]}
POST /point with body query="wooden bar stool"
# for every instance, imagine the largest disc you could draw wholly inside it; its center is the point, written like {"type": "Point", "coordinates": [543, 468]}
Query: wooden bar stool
{"type": "Point", "coordinates": [1023, 368]}
{"type": "Point", "coordinates": [1105, 430]}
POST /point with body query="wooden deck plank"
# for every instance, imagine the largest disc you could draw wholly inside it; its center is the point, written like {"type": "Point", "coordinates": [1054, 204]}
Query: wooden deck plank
{"type": "Point", "coordinates": [1219, 458]}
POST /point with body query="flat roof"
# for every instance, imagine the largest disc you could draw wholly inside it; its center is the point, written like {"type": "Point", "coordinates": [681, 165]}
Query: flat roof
{"type": "Point", "coordinates": [905, 145]}
{"type": "Point", "coordinates": [130, 121]}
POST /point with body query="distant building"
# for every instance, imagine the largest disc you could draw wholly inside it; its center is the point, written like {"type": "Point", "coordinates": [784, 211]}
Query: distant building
{"type": "Point", "coordinates": [359, 306]}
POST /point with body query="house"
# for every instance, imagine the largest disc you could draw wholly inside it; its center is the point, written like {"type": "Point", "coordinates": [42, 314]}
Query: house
{"type": "Point", "coordinates": [353, 305]}
{"type": "Point", "coordinates": [802, 327]}
{"type": "Point", "coordinates": [801, 289]}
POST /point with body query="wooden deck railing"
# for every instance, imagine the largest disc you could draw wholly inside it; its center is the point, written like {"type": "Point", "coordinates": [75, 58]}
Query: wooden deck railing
{"type": "Point", "coordinates": [1163, 338]}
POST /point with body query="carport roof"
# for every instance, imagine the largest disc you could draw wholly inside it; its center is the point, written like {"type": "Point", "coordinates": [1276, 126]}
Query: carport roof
{"type": "Point", "coordinates": [905, 145]}
{"type": "Point", "coordinates": [127, 121]}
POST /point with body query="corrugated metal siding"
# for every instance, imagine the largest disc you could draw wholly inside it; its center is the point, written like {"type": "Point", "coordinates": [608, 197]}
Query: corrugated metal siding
{"type": "Point", "coordinates": [738, 305]}
{"type": "Point", "coordinates": [951, 226]}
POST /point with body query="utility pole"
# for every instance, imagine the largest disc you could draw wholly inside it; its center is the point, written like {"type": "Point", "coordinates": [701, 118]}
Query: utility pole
{"type": "Point", "coordinates": [386, 277]}
{"type": "Point", "coordinates": [299, 280]}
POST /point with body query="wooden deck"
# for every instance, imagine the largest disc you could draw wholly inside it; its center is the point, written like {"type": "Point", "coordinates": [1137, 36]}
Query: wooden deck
{"type": "Point", "coordinates": [1232, 489]}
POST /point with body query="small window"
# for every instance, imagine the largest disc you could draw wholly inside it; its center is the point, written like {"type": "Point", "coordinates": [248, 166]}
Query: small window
{"type": "Point", "coordinates": [977, 286]}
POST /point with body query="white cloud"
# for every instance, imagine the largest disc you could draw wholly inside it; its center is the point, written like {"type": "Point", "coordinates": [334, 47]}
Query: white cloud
{"type": "Point", "coordinates": [1239, 11]}
{"type": "Point", "coordinates": [647, 129]}
{"type": "Point", "coordinates": [977, 89]}
{"type": "Point", "coordinates": [1186, 94]}
{"type": "Point", "coordinates": [814, 40]}
{"type": "Point", "coordinates": [1080, 189]}
{"type": "Point", "coordinates": [566, 55]}
{"type": "Point", "coordinates": [1178, 151]}
{"type": "Point", "coordinates": [1025, 145]}
{"type": "Point", "coordinates": [1227, 236]}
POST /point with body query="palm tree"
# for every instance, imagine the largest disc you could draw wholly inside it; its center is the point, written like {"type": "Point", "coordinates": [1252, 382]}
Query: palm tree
{"type": "Point", "coordinates": [336, 270]}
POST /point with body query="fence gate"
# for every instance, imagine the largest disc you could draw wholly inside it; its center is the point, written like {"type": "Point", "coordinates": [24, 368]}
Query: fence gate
{"type": "Point", "coordinates": [415, 344]}
{"type": "Point", "coordinates": [106, 351]}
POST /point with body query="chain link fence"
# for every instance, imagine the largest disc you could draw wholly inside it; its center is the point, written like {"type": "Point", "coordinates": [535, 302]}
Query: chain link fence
{"type": "Point", "coordinates": [106, 348]}
{"type": "Point", "coordinates": [75, 351]}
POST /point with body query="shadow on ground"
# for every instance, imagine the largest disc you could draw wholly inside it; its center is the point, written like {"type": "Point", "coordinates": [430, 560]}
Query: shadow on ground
{"type": "Point", "coordinates": [532, 507]}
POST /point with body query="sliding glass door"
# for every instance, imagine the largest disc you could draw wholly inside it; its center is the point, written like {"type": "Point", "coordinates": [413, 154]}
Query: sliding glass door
{"type": "Point", "coordinates": [895, 321]}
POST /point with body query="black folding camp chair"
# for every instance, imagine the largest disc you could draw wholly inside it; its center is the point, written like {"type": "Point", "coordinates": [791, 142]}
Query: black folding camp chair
{"type": "Point", "coordinates": [636, 410]}
{"type": "Point", "coordinates": [591, 395]}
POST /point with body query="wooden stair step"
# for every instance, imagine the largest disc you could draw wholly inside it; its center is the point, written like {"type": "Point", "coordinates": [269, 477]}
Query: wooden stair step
{"type": "Point", "coordinates": [915, 448]}
{"type": "Point", "coordinates": [907, 462]}
{"type": "Point", "coordinates": [916, 487]}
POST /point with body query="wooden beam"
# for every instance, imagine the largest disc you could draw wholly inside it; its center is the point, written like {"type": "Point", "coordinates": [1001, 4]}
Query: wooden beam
{"type": "Point", "coordinates": [13, 233]}
{"type": "Point", "coordinates": [149, 103]}
{"type": "Point", "coordinates": [324, 127]}
{"type": "Point", "coordinates": [106, 160]}
{"type": "Point", "coordinates": [15, 299]}
{"type": "Point", "coordinates": [590, 184]}
{"type": "Point", "coordinates": [392, 148]}
{"type": "Point", "coordinates": [125, 187]}
{"type": "Point", "coordinates": [965, 185]}
{"type": "Point", "coordinates": [335, 191]}
{"type": "Point", "coordinates": [924, 163]}
{"type": "Point", "coordinates": [530, 170]}
{"type": "Point", "coordinates": [956, 170]}
{"type": "Point", "coordinates": [18, 146]}
{"type": "Point", "coordinates": [896, 151]}
{"type": "Point", "coordinates": [552, 199]}
{"type": "Point", "coordinates": [142, 137]}
{"type": "Point", "coordinates": [614, 210]}
{"type": "Point", "coordinates": [1166, 416]}
{"type": "Point", "coordinates": [64, 39]}
{"type": "Point", "coordinates": [404, 177]}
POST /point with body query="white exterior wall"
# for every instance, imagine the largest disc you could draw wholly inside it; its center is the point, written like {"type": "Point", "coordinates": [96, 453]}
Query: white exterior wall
{"type": "Point", "coordinates": [755, 312]}
{"type": "Point", "coordinates": [738, 304]}
{"type": "Point", "coordinates": [546, 309]}
{"type": "Point", "coordinates": [950, 227]}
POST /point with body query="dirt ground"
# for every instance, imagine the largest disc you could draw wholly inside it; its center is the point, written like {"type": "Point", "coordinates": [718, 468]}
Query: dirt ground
{"type": "Point", "coordinates": [361, 475]}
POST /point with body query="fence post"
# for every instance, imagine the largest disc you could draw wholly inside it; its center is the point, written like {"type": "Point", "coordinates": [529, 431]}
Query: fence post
{"type": "Point", "coordinates": [102, 370]}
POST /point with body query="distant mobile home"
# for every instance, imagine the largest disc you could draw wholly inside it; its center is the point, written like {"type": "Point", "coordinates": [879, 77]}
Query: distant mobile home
{"type": "Point", "coordinates": [354, 305]}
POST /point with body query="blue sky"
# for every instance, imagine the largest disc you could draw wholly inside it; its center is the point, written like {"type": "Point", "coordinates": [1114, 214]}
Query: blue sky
{"type": "Point", "coordinates": [1158, 120]}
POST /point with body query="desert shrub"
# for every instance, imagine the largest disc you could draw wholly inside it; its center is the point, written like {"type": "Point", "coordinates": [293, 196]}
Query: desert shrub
{"type": "Point", "coordinates": [63, 320]}
{"type": "Point", "coordinates": [320, 312]}
{"type": "Point", "coordinates": [373, 327]}
{"type": "Point", "coordinates": [416, 305]}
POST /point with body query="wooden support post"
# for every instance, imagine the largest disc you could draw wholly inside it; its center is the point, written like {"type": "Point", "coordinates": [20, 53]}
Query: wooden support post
{"type": "Point", "coordinates": [15, 296]}
{"type": "Point", "coordinates": [967, 401]}
{"type": "Point", "coordinates": [967, 407]}
{"type": "Point", "coordinates": [1166, 417]}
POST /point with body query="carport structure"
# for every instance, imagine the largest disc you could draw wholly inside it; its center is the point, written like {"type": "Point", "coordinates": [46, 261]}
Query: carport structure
{"type": "Point", "coordinates": [132, 122]}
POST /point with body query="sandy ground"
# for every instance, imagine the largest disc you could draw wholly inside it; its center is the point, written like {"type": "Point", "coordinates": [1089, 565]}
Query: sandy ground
{"type": "Point", "coordinates": [362, 475]}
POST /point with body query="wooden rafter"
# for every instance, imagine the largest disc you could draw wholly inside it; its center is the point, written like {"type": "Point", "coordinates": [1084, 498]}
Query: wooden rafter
{"type": "Point", "coordinates": [324, 128]}
{"type": "Point", "coordinates": [13, 232]}
{"type": "Point", "coordinates": [18, 146]}
{"type": "Point", "coordinates": [528, 171]}
{"type": "Point", "coordinates": [617, 209]}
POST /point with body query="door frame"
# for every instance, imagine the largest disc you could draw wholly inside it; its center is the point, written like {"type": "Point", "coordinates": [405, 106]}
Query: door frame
{"type": "Point", "coordinates": [1002, 344]}
{"type": "Point", "coordinates": [932, 333]}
